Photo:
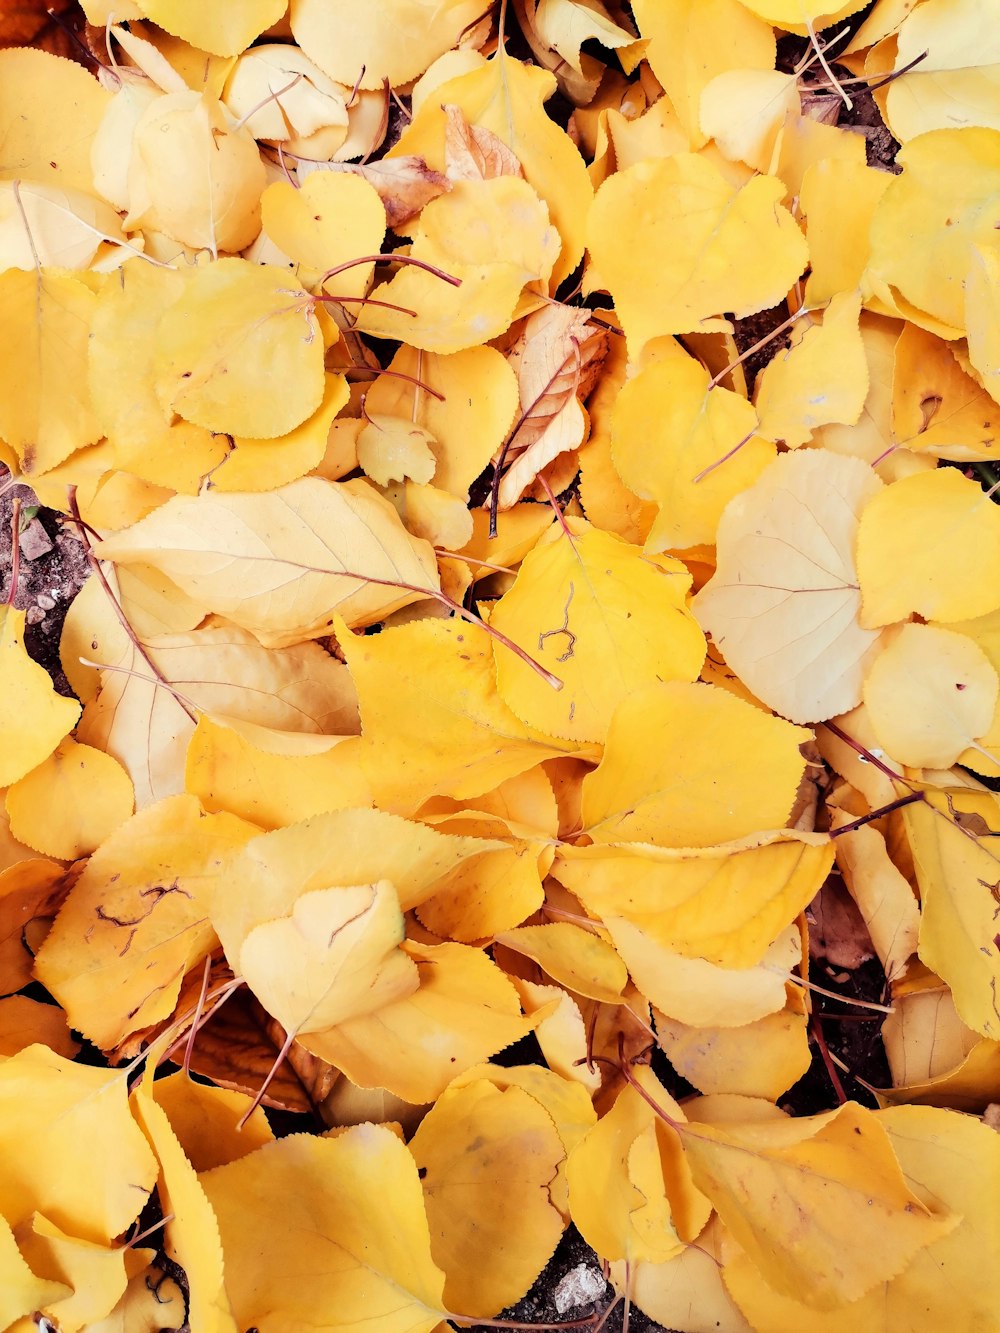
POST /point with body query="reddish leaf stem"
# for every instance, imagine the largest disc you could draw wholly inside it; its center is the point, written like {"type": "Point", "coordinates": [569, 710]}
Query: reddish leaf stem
{"type": "Point", "coordinates": [877, 814]}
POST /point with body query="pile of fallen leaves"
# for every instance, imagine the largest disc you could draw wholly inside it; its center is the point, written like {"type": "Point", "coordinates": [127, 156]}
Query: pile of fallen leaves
{"type": "Point", "coordinates": [474, 655]}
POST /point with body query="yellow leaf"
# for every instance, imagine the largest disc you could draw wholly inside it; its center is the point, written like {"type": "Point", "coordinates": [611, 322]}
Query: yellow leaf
{"type": "Point", "coordinates": [150, 697]}
{"type": "Point", "coordinates": [491, 892]}
{"type": "Point", "coordinates": [838, 198]}
{"type": "Point", "coordinates": [956, 83]}
{"type": "Point", "coordinates": [690, 1281]}
{"type": "Point", "coordinates": [264, 465]}
{"type": "Point", "coordinates": [21, 1292]}
{"type": "Point", "coordinates": [929, 694]}
{"type": "Point", "coordinates": [53, 147]}
{"type": "Point", "coordinates": [122, 385]}
{"type": "Point", "coordinates": [601, 616]}
{"type": "Point", "coordinates": [690, 765]}
{"type": "Point", "coordinates": [491, 237]}
{"type": "Point", "coordinates": [783, 604]}
{"type": "Point", "coordinates": [686, 445]}
{"type": "Point", "coordinates": [56, 1106]}
{"type": "Point", "coordinates": [958, 870]}
{"type": "Point", "coordinates": [724, 904]}
{"type": "Point", "coordinates": [224, 30]}
{"type": "Point", "coordinates": [761, 1059]}
{"type": "Point", "coordinates": [91, 791]}
{"type": "Point", "coordinates": [970, 1085]}
{"type": "Point", "coordinates": [394, 448]}
{"type": "Point", "coordinates": [822, 378]}
{"type": "Point", "coordinates": [744, 110]}
{"type": "Point", "coordinates": [281, 96]}
{"type": "Point", "coordinates": [776, 1185]}
{"type": "Point", "coordinates": [798, 15]}
{"type": "Point", "coordinates": [331, 219]}
{"type": "Point", "coordinates": [191, 1231]}
{"type": "Point", "coordinates": [261, 882]}
{"type": "Point", "coordinates": [464, 1012]}
{"type": "Point", "coordinates": [25, 1022]}
{"type": "Point", "coordinates": [45, 411]}
{"type": "Point", "coordinates": [690, 232]}
{"type": "Point", "coordinates": [52, 226]}
{"type": "Point", "coordinates": [936, 406]}
{"type": "Point", "coordinates": [272, 778]}
{"type": "Point", "coordinates": [932, 216]}
{"type": "Point", "coordinates": [949, 1161]}
{"type": "Point", "coordinates": [29, 892]}
{"type": "Point", "coordinates": [333, 958]}
{"type": "Point", "coordinates": [576, 958]}
{"type": "Point", "coordinates": [561, 1035]}
{"type": "Point", "coordinates": [883, 895]}
{"type": "Point", "coordinates": [690, 42]}
{"type": "Point", "coordinates": [95, 1274]}
{"type": "Point", "coordinates": [395, 44]}
{"type": "Point", "coordinates": [133, 923]}
{"type": "Point", "coordinates": [981, 317]}
{"type": "Point", "coordinates": [232, 318]}
{"type": "Point", "coordinates": [486, 1157]}
{"type": "Point", "coordinates": [507, 97]}
{"type": "Point", "coordinates": [698, 993]}
{"type": "Point", "coordinates": [204, 1119]}
{"type": "Point", "coordinates": [194, 175]}
{"type": "Point", "coordinates": [468, 407]}
{"type": "Point", "coordinates": [929, 544]}
{"type": "Point", "coordinates": [287, 549]}
{"type": "Point", "coordinates": [630, 1190]}
{"type": "Point", "coordinates": [340, 1253]}
{"type": "Point", "coordinates": [432, 720]}
{"type": "Point", "coordinates": [36, 718]}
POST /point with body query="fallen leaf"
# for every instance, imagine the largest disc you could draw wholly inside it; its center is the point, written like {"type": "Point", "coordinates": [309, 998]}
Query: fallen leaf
{"type": "Point", "coordinates": [36, 717]}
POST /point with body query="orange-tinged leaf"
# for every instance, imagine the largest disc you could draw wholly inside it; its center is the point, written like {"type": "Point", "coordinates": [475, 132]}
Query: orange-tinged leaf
{"type": "Point", "coordinates": [780, 1186]}
{"type": "Point", "coordinates": [883, 895]}
{"type": "Point", "coordinates": [936, 406]}
{"type": "Point", "coordinates": [486, 1158]}
{"type": "Point", "coordinates": [603, 617]}
{"type": "Point", "coordinates": [798, 15]}
{"type": "Point", "coordinates": [783, 605]}
{"type": "Point", "coordinates": [303, 551]}
{"type": "Point", "coordinates": [92, 792]}
{"type": "Point", "coordinates": [45, 411]}
{"type": "Point", "coordinates": [232, 318]}
{"type": "Point", "coordinates": [464, 1012]}
{"type": "Point", "coordinates": [57, 1106]}
{"type": "Point", "coordinates": [25, 1022]}
{"type": "Point", "coordinates": [687, 446]}
{"type": "Point", "coordinates": [724, 904]}
{"type": "Point", "coordinates": [690, 765]}
{"type": "Point", "coordinates": [699, 226]}
{"type": "Point", "coordinates": [134, 922]}
{"type": "Point", "coordinates": [929, 544]}
{"type": "Point", "coordinates": [341, 1259]}
{"type": "Point", "coordinates": [930, 693]}
{"type": "Point", "coordinates": [224, 30]}
{"type": "Point", "coordinates": [36, 718]}
{"type": "Point", "coordinates": [30, 891]}
{"type": "Point", "coordinates": [95, 1275]}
